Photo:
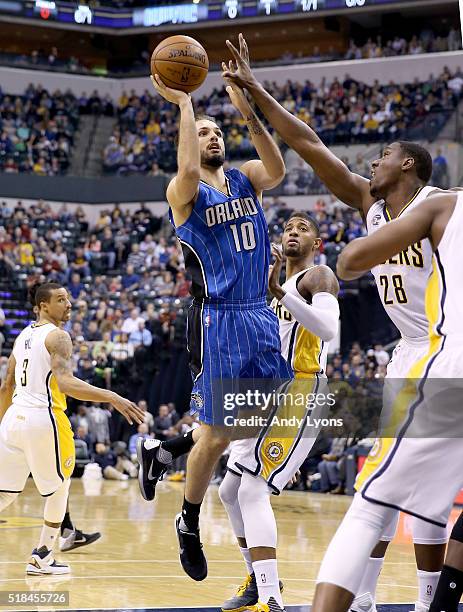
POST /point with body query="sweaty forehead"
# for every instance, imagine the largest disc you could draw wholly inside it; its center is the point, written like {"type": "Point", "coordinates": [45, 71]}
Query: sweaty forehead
{"type": "Point", "coordinates": [59, 293]}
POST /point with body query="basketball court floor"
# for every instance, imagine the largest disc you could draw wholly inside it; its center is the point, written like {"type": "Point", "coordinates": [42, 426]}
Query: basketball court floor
{"type": "Point", "coordinates": [135, 564]}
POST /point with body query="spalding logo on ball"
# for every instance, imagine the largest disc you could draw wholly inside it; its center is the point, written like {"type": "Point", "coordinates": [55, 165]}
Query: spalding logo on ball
{"type": "Point", "coordinates": [181, 62]}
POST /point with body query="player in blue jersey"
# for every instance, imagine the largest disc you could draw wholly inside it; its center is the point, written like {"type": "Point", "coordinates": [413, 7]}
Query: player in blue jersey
{"type": "Point", "coordinates": [232, 333]}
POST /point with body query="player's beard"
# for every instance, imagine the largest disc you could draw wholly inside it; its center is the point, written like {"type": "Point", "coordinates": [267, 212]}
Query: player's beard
{"type": "Point", "coordinates": [213, 160]}
{"type": "Point", "coordinates": [293, 251]}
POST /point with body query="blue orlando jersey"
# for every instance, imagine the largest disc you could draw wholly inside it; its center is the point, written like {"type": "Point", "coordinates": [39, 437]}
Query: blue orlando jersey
{"type": "Point", "coordinates": [225, 241]}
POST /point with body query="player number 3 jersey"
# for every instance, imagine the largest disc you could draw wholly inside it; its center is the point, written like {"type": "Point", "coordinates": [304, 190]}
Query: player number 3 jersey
{"type": "Point", "coordinates": [35, 384]}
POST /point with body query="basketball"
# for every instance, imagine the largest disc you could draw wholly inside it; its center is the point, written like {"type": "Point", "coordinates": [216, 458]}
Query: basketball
{"type": "Point", "coordinates": [181, 62]}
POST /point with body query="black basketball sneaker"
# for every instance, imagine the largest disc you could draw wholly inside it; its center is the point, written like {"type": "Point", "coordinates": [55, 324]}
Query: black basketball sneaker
{"type": "Point", "coordinates": [191, 552]}
{"type": "Point", "coordinates": [151, 469]}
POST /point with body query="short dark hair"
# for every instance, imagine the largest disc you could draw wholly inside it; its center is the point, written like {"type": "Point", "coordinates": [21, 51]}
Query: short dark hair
{"type": "Point", "coordinates": [206, 118]}
{"type": "Point", "coordinates": [41, 292]}
{"type": "Point", "coordinates": [304, 215]}
{"type": "Point", "coordinates": [422, 158]}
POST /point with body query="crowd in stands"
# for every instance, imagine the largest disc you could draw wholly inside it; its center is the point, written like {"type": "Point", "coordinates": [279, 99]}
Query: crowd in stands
{"type": "Point", "coordinates": [37, 130]}
{"type": "Point", "coordinates": [342, 112]}
{"type": "Point", "coordinates": [427, 41]}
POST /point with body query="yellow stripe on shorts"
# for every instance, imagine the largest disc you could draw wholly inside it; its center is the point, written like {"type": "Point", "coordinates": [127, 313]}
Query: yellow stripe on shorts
{"type": "Point", "coordinates": [67, 453]}
{"type": "Point", "coordinates": [407, 394]}
{"type": "Point", "coordinates": [278, 442]}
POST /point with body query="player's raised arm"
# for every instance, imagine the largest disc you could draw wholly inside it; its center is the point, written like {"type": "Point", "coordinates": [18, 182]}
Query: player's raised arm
{"type": "Point", "coordinates": [426, 221]}
{"type": "Point", "coordinates": [321, 287]}
{"type": "Point", "coordinates": [183, 188]}
{"type": "Point", "coordinates": [59, 345]}
{"type": "Point", "coordinates": [347, 186]}
{"type": "Point", "coordinates": [7, 388]}
{"type": "Point", "coordinates": [269, 171]}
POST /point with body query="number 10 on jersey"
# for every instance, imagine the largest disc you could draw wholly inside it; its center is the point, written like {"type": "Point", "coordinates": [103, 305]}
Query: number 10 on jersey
{"type": "Point", "coordinates": [244, 236]}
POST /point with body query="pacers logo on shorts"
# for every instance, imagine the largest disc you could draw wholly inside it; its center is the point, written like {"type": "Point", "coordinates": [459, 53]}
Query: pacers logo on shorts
{"type": "Point", "coordinates": [69, 461]}
{"type": "Point", "coordinates": [274, 451]}
{"type": "Point", "coordinates": [375, 449]}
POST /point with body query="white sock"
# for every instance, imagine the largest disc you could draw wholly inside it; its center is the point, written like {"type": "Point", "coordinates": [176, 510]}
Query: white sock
{"type": "Point", "coordinates": [48, 536]}
{"type": "Point", "coordinates": [267, 580]}
{"type": "Point", "coordinates": [247, 559]}
{"type": "Point", "coordinates": [370, 577]}
{"type": "Point", "coordinates": [427, 583]}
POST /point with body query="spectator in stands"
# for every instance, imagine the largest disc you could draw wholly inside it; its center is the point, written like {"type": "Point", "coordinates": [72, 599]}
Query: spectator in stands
{"type": "Point", "coordinates": [112, 466]}
{"type": "Point", "coordinates": [122, 349]}
{"type": "Point", "coordinates": [104, 344]}
{"type": "Point", "coordinates": [131, 324]}
{"type": "Point", "coordinates": [142, 432]}
{"type": "Point", "coordinates": [141, 336]}
{"type": "Point", "coordinates": [136, 257]}
{"type": "Point", "coordinates": [82, 434]}
{"type": "Point", "coordinates": [148, 418]}
{"type": "Point", "coordinates": [79, 263]}
{"type": "Point", "coordinates": [130, 279]}
{"type": "Point", "coordinates": [75, 287]}
{"type": "Point", "coordinates": [98, 423]}
{"type": "Point", "coordinates": [440, 170]}
{"type": "Point", "coordinates": [329, 465]}
{"type": "Point", "coordinates": [163, 424]}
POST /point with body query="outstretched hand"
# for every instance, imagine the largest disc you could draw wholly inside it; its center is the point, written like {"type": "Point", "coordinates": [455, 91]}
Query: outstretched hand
{"type": "Point", "coordinates": [237, 95]}
{"type": "Point", "coordinates": [274, 273]}
{"type": "Point", "coordinates": [171, 95]}
{"type": "Point", "coordinates": [127, 408]}
{"type": "Point", "coordinates": [241, 73]}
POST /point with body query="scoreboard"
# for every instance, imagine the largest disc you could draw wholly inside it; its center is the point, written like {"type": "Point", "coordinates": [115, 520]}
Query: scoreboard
{"type": "Point", "coordinates": [196, 11]}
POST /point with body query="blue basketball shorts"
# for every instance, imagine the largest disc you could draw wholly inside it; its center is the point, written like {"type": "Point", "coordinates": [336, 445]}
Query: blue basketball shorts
{"type": "Point", "coordinates": [231, 341]}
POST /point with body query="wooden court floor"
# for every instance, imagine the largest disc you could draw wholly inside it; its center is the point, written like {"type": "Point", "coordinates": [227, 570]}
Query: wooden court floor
{"type": "Point", "coordinates": [135, 564]}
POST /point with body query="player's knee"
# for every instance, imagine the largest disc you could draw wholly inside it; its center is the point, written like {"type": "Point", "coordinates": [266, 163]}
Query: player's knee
{"type": "Point", "coordinates": [55, 506]}
{"type": "Point", "coordinates": [252, 489]}
{"type": "Point", "coordinates": [427, 534]}
{"type": "Point", "coordinates": [215, 440]}
{"type": "Point", "coordinates": [228, 490]}
{"type": "Point", "coordinates": [457, 531]}
{"type": "Point", "coordinates": [6, 499]}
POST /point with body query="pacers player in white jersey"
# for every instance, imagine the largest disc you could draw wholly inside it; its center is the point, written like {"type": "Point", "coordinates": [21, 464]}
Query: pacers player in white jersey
{"type": "Point", "coordinates": [35, 433]}
{"type": "Point", "coordinates": [428, 468]}
{"type": "Point", "coordinates": [308, 313]}
{"type": "Point", "coordinates": [398, 185]}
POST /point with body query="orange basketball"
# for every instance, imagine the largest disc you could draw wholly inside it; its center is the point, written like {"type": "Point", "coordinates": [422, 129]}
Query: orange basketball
{"type": "Point", "coordinates": [181, 62]}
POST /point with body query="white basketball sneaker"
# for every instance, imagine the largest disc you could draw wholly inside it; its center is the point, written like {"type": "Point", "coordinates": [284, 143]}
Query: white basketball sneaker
{"type": "Point", "coordinates": [43, 563]}
{"type": "Point", "coordinates": [420, 607]}
{"type": "Point", "coordinates": [363, 603]}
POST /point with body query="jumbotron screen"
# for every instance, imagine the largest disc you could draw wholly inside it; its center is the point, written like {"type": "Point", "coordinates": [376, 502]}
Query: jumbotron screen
{"type": "Point", "coordinates": [189, 12]}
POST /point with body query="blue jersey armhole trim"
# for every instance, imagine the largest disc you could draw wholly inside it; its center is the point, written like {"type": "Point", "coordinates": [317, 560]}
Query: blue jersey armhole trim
{"type": "Point", "coordinates": [244, 179]}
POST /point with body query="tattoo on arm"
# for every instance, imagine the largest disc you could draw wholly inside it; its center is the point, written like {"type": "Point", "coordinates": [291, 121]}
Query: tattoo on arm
{"type": "Point", "coordinates": [255, 127]}
{"type": "Point", "coordinates": [60, 348]}
{"type": "Point", "coordinates": [322, 279]}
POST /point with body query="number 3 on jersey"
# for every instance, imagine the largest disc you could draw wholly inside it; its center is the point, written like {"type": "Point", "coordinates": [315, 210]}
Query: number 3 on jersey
{"type": "Point", "coordinates": [24, 374]}
{"type": "Point", "coordinates": [396, 289]}
{"type": "Point", "coordinates": [244, 236]}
